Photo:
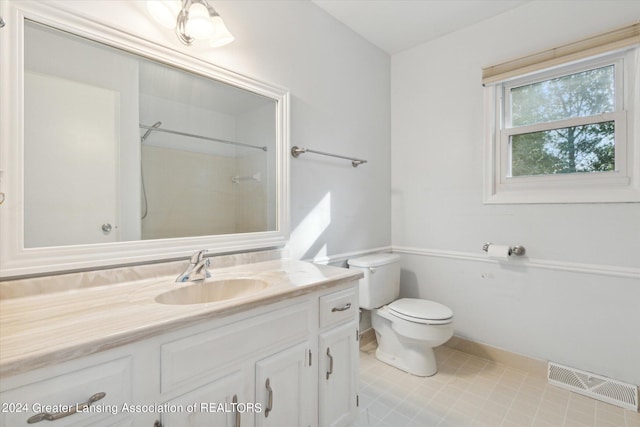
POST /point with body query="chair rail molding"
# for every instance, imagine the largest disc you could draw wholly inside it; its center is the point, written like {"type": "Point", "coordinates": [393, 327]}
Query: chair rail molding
{"type": "Point", "coordinates": [574, 267]}
{"type": "Point", "coordinates": [343, 257]}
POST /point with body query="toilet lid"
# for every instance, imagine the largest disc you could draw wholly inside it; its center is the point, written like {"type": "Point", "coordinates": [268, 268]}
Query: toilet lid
{"type": "Point", "coordinates": [421, 311]}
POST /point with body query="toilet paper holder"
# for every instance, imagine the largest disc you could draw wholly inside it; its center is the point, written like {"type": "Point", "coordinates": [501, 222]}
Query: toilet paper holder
{"type": "Point", "coordinates": [513, 250]}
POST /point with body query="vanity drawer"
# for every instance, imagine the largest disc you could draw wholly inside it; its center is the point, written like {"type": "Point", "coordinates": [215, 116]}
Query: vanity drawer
{"type": "Point", "coordinates": [193, 359]}
{"type": "Point", "coordinates": [338, 307]}
{"type": "Point", "coordinates": [61, 394]}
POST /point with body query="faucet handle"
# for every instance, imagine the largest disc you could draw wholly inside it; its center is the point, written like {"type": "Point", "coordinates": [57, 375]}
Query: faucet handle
{"type": "Point", "coordinates": [200, 271]}
{"type": "Point", "coordinates": [197, 257]}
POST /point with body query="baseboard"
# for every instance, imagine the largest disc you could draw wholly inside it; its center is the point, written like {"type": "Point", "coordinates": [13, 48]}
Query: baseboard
{"type": "Point", "coordinates": [513, 360]}
{"type": "Point", "coordinates": [518, 361]}
{"type": "Point", "coordinates": [533, 366]}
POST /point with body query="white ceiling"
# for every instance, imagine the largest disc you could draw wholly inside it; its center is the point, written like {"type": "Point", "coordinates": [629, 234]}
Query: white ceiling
{"type": "Point", "coordinates": [397, 25]}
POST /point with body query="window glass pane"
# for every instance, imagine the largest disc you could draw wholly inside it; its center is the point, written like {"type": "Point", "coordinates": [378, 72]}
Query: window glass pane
{"type": "Point", "coordinates": [588, 148]}
{"type": "Point", "coordinates": [577, 95]}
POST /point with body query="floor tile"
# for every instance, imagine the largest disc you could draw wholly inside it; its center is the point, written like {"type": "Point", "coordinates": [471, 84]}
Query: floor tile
{"type": "Point", "coordinates": [471, 391]}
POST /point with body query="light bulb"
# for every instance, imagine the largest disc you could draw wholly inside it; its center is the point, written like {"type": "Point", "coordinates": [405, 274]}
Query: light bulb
{"type": "Point", "coordinates": [199, 25]}
{"type": "Point", "coordinates": [164, 11]}
{"type": "Point", "coordinates": [222, 36]}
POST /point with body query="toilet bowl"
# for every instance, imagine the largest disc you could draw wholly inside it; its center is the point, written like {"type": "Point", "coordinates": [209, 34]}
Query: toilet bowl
{"type": "Point", "coordinates": [407, 329]}
{"type": "Point", "coordinates": [408, 344]}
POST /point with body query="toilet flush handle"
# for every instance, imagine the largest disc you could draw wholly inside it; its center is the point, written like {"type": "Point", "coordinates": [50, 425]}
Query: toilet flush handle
{"type": "Point", "coordinates": [372, 270]}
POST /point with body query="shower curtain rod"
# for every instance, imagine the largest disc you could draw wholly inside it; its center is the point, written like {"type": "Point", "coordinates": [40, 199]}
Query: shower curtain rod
{"type": "Point", "coordinates": [191, 135]}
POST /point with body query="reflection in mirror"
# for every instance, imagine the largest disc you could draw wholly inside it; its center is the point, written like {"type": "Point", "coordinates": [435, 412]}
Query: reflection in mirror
{"type": "Point", "coordinates": [121, 148]}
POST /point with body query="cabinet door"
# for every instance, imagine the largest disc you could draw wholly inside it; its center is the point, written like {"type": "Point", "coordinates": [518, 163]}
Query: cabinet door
{"type": "Point", "coordinates": [338, 368]}
{"type": "Point", "coordinates": [213, 405]}
{"type": "Point", "coordinates": [284, 388]}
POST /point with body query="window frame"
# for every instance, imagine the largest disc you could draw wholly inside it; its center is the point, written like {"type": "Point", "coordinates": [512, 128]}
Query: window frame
{"type": "Point", "coordinates": [620, 185]}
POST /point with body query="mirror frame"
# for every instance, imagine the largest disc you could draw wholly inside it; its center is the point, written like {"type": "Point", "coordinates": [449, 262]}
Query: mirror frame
{"type": "Point", "coordinates": [18, 261]}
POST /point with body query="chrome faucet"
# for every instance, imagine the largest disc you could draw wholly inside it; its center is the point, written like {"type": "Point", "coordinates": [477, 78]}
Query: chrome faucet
{"type": "Point", "coordinates": [197, 268]}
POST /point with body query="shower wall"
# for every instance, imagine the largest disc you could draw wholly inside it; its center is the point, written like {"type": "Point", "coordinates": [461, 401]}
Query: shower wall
{"type": "Point", "coordinates": [190, 190]}
{"type": "Point", "coordinates": [257, 201]}
{"type": "Point", "coordinates": [185, 190]}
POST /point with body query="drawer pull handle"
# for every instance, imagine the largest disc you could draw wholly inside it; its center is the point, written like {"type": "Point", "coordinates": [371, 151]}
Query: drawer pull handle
{"type": "Point", "coordinates": [235, 400]}
{"type": "Point", "coordinates": [330, 371]}
{"type": "Point", "coordinates": [270, 400]}
{"type": "Point", "coordinates": [75, 408]}
{"type": "Point", "coordinates": [345, 307]}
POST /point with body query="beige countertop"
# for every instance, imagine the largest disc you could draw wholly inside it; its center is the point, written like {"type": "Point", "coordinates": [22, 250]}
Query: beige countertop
{"type": "Point", "coordinates": [41, 330]}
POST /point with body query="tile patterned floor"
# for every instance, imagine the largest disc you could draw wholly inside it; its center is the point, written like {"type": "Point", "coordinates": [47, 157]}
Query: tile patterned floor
{"type": "Point", "coordinates": [470, 391]}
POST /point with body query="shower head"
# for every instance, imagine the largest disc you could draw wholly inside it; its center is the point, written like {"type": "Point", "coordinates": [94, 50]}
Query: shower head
{"type": "Point", "coordinates": [156, 125]}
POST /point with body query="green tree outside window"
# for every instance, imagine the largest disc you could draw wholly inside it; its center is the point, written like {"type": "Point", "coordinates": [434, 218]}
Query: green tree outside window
{"type": "Point", "coordinates": [584, 148]}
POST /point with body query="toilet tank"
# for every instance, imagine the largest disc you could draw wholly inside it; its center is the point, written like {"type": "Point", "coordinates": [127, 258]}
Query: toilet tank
{"type": "Point", "coordinates": [381, 282]}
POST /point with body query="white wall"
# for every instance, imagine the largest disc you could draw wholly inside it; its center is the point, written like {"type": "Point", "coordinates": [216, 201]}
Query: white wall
{"type": "Point", "coordinates": [575, 299]}
{"type": "Point", "coordinates": [340, 102]}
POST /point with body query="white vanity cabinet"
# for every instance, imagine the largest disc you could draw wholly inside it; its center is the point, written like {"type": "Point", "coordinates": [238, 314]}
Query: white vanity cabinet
{"type": "Point", "coordinates": [290, 363]}
{"type": "Point", "coordinates": [272, 367]}
{"type": "Point", "coordinates": [254, 371]}
{"type": "Point", "coordinates": [338, 354]}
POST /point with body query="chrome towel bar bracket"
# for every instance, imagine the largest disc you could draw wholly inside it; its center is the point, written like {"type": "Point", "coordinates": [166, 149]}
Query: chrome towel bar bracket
{"type": "Point", "coordinates": [296, 151]}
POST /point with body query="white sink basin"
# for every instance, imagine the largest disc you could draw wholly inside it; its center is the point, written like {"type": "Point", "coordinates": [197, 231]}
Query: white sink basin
{"type": "Point", "coordinates": [212, 291]}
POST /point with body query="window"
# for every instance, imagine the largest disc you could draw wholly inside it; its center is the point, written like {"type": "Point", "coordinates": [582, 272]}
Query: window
{"type": "Point", "coordinates": [563, 125]}
{"type": "Point", "coordinates": [565, 134]}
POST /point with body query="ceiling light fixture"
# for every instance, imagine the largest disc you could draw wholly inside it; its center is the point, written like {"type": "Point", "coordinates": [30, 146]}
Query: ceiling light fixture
{"type": "Point", "coordinates": [192, 20]}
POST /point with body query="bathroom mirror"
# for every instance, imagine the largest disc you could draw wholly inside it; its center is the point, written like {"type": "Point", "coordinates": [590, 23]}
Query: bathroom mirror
{"type": "Point", "coordinates": [123, 151]}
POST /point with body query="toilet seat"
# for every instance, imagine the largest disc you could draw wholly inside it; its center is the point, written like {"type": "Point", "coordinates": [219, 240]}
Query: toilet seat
{"type": "Point", "coordinates": [421, 311]}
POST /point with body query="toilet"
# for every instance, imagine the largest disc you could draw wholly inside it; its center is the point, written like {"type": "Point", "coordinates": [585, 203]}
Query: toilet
{"type": "Point", "coordinates": [407, 329]}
